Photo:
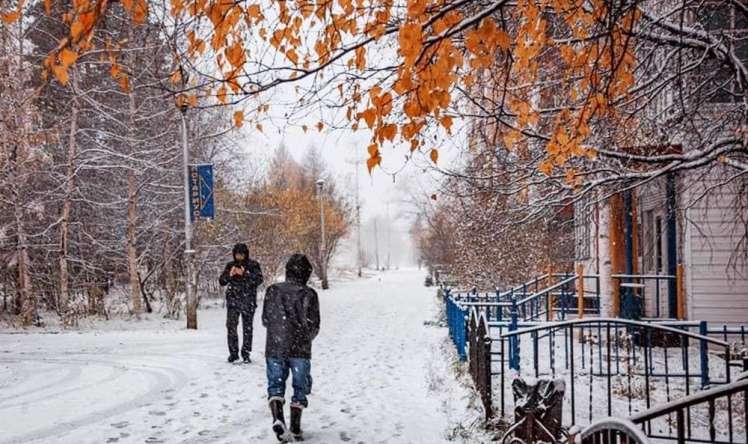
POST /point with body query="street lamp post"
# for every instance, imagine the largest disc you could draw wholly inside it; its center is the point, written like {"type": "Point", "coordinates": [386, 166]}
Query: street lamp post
{"type": "Point", "coordinates": [191, 302]}
{"type": "Point", "coordinates": [322, 245]}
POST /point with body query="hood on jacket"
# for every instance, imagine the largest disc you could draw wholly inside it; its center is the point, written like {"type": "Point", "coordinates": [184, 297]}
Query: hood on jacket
{"type": "Point", "coordinates": [240, 248]}
{"type": "Point", "coordinates": [298, 269]}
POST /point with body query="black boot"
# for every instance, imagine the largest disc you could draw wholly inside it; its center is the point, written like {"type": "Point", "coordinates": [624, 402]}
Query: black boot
{"type": "Point", "coordinates": [233, 358]}
{"type": "Point", "coordinates": [279, 424]}
{"type": "Point", "coordinates": [296, 432]}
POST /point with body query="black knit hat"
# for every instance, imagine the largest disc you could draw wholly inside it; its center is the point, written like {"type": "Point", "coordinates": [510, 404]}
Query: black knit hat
{"type": "Point", "coordinates": [298, 268]}
{"type": "Point", "coordinates": [240, 248]}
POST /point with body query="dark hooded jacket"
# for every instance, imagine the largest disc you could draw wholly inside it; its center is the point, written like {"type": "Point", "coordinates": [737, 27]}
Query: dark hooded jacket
{"type": "Point", "coordinates": [241, 291]}
{"type": "Point", "coordinates": [291, 313]}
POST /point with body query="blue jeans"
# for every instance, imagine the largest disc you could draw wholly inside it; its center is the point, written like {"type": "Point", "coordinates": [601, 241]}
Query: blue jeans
{"type": "Point", "coordinates": [301, 379]}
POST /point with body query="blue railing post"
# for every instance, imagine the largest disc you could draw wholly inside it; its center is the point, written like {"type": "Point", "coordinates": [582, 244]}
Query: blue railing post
{"type": "Point", "coordinates": [513, 340]}
{"type": "Point", "coordinates": [463, 319]}
{"type": "Point", "coordinates": [704, 355]}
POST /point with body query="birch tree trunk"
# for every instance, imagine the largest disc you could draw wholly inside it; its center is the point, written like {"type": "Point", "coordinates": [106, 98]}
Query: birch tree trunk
{"type": "Point", "coordinates": [132, 252]}
{"type": "Point", "coordinates": [26, 301]}
{"type": "Point", "coordinates": [65, 311]}
{"type": "Point", "coordinates": [27, 298]}
{"type": "Point", "coordinates": [132, 202]}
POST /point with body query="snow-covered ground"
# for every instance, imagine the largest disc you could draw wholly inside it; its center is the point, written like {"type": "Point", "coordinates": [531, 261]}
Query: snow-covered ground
{"type": "Point", "coordinates": [379, 368]}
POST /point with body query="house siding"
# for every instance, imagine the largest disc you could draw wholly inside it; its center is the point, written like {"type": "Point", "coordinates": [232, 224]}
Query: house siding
{"type": "Point", "coordinates": [717, 280]}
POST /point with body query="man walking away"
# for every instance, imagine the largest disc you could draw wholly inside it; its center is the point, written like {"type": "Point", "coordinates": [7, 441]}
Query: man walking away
{"type": "Point", "coordinates": [291, 316]}
{"type": "Point", "coordinates": [241, 277]}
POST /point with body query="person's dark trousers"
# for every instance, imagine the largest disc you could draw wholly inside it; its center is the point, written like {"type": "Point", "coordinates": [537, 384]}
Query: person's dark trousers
{"type": "Point", "coordinates": [232, 321]}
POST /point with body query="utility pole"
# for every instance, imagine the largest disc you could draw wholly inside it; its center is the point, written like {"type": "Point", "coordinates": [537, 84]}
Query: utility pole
{"type": "Point", "coordinates": [189, 253]}
{"type": "Point", "coordinates": [359, 254]}
{"type": "Point", "coordinates": [376, 242]}
{"type": "Point", "coordinates": [322, 246]}
{"type": "Point", "coordinates": [358, 222]}
{"type": "Point", "coordinates": [389, 235]}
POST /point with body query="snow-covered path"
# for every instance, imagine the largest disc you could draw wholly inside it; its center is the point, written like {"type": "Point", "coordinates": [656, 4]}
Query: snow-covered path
{"type": "Point", "coordinates": [375, 369]}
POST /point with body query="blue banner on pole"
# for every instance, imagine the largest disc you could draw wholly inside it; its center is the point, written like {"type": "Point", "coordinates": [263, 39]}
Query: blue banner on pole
{"type": "Point", "coordinates": [201, 192]}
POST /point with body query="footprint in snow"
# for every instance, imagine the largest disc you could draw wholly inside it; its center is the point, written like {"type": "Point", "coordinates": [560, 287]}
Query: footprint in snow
{"type": "Point", "coordinates": [344, 437]}
{"type": "Point", "coordinates": [120, 425]}
{"type": "Point", "coordinates": [156, 413]}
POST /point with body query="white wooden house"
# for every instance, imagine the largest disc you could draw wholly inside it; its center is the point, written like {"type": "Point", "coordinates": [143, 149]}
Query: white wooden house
{"type": "Point", "coordinates": [683, 235]}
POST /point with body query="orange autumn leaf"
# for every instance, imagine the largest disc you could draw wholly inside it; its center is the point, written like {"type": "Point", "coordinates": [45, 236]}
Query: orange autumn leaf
{"type": "Point", "coordinates": [372, 162]}
{"type": "Point", "coordinates": [434, 155]}
{"type": "Point", "coordinates": [373, 150]}
{"type": "Point", "coordinates": [416, 8]}
{"type": "Point", "coordinates": [176, 77]}
{"type": "Point", "coordinates": [140, 12]}
{"type": "Point", "coordinates": [546, 167]}
{"type": "Point", "coordinates": [238, 119]}
{"type": "Point", "coordinates": [259, 127]}
{"type": "Point", "coordinates": [447, 123]}
{"type": "Point", "coordinates": [370, 116]}
{"type": "Point", "coordinates": [68, 57]}
{"type": "Point", "coordinates": [389, 131]}
{"type": "Point", "coordinates": [221, 94]}
{"type": "Point", "coordinates": [254, 12]}
{"type": "Point", "coordinates": [235, 54]}
{"type": "Point", "coordinates": [76, 29]}
{"type": "Point", "coordinates": [61, 74]}
{"type": "Point", "coordinates": [410, 39]}
{"type": "Point", "coordinates": [124, 83]}
{"type": "Point", "coordinates": [292, 56]}
{"type": "Point", "coordinates": [412, 108]}
{"type": "Point", "coordinates": [10, 17]}
{"type": "Point", "coordinates": [360, 58]}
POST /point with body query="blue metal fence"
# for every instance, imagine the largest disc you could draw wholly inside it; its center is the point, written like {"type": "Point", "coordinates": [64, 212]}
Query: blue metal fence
{"type": "Point", "coordinates": [457, 317]}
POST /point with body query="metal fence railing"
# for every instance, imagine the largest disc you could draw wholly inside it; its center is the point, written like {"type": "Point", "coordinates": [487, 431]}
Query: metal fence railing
{"type": "Point", "coordinates": [457, 316]}
{"type": "Point", "coordinates": [717, 415]}
{"type": "Point", "coordinates": [626, 365]}
{"type": "Point", "coordinates": [611, 367]}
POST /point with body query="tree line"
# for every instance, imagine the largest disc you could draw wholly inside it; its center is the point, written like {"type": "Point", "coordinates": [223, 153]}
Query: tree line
{"type": "Point", "coordinates": [91, 191]}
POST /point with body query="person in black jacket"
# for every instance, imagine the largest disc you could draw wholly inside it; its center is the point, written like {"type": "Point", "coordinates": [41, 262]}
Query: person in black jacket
{"type": "Point", "coordinates": [291, 315]}
{"type": "Point", "coordinates": [241, 277]}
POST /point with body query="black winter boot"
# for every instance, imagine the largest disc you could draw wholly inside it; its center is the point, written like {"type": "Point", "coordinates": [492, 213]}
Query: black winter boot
{"type": "Point", "coordinates": [296, 432]}
{"type": "Point", "coordinates": [279, 424]}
